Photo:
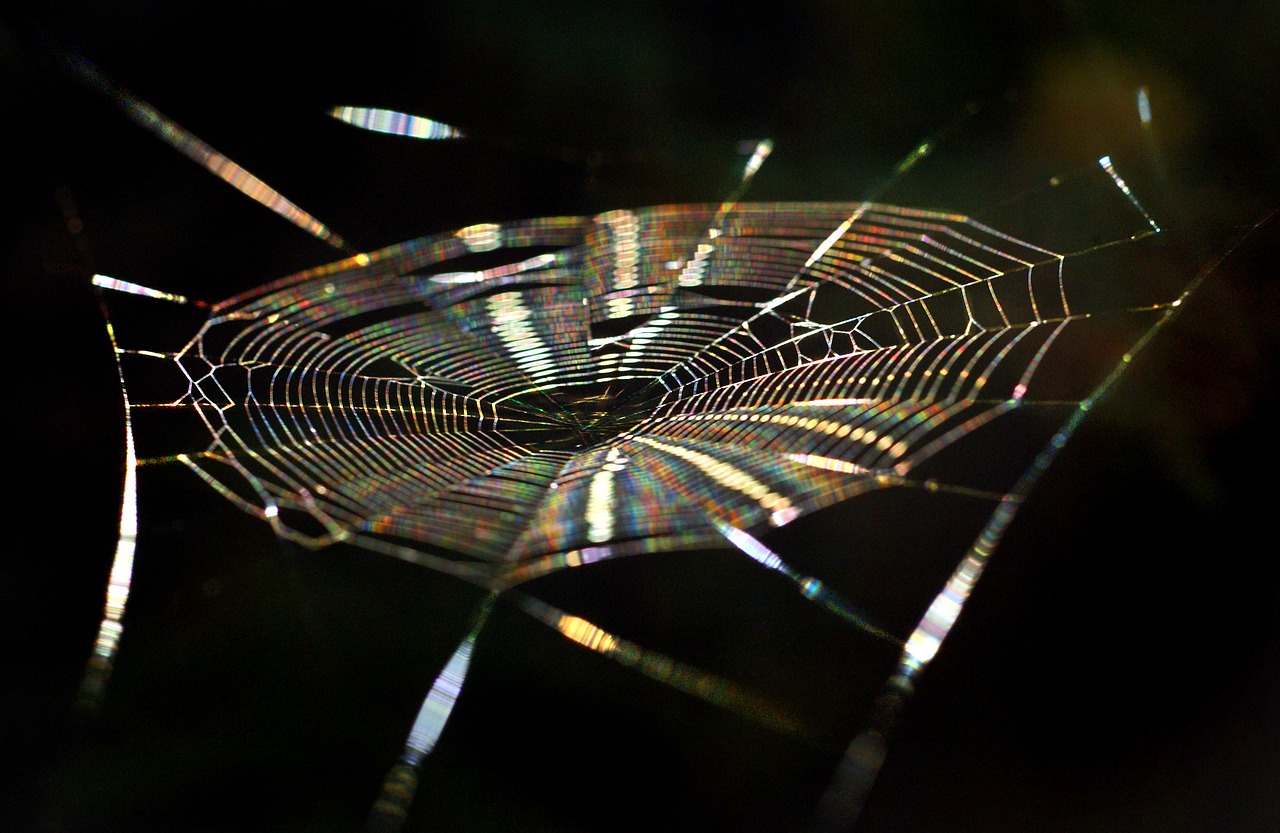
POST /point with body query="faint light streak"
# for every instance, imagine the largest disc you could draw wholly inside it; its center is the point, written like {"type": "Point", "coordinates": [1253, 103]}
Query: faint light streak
{"type": "Point", "coordinates": [662, 668]}
{"type": "Point", "coordinates": [825, 245]}
{"type": "Point", "coordinates": [811, 588]}
{"type": "Point", "coordinates": [1144, 107]}
{"type": "Point", "coordinates": [1105, 162]}
{"type": "Point", "coordinates": [398, 124]}
{"type": "Point", "coordinates": [762, 150]}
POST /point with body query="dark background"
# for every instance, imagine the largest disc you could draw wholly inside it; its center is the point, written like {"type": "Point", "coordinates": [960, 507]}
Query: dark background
{"type": "Point", "coordinates": [1117, 668]}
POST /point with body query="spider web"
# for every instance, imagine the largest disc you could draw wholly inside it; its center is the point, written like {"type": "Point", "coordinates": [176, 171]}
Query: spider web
{"type": "Point", "coordinates": [514, 400]}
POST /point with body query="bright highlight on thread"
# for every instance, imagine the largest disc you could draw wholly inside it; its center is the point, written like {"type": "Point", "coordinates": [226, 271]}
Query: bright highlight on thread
{"type": "Point", "coordinates": [401, 783]}
{"type": "Point", "coordinates": [106, 282]}
{"type": "Point", "coordinates": [392, 122]}
{"type": "Point", "coordinates": [111, 628]}
{"type": "Point", "coordinates": [810, 587]}
{"type": "Point", "coordinates": [436, 709]}
{"type": "Point", "coordinates": [919, 152]}
{"type": "Point", "coordinates": [482, 237]}
{"type": "Point", "coordinates": [1144, 107]}
{"type": "Point", "coordinates": [1107, 166]}
{"type": "Point", "coordinates": [762, 150]}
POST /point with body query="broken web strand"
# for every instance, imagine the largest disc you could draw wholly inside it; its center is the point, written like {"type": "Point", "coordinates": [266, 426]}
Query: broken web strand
{"type": "Point", "coordinates": [842, 802]}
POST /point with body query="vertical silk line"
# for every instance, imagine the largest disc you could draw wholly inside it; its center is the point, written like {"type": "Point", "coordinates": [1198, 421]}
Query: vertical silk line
{"type": "Point", "coordinates": [392, 807]}
{"type": "Point", "coordinates": [107, 642]}
{"type": "Point", "coordinates": [111, 629]}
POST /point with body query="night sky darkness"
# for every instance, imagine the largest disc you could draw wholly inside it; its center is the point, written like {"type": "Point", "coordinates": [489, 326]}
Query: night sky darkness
{"type": "Point", "coordinates": [1117, 668]}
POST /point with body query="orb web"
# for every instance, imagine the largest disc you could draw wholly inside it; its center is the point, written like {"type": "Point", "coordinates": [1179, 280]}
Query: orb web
{"type": "Point", "coordinates": [512, 400]}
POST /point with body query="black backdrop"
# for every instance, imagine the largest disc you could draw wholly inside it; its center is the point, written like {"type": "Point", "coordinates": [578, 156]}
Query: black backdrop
{"type": "Point", "coordinates": [1117, 668]}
